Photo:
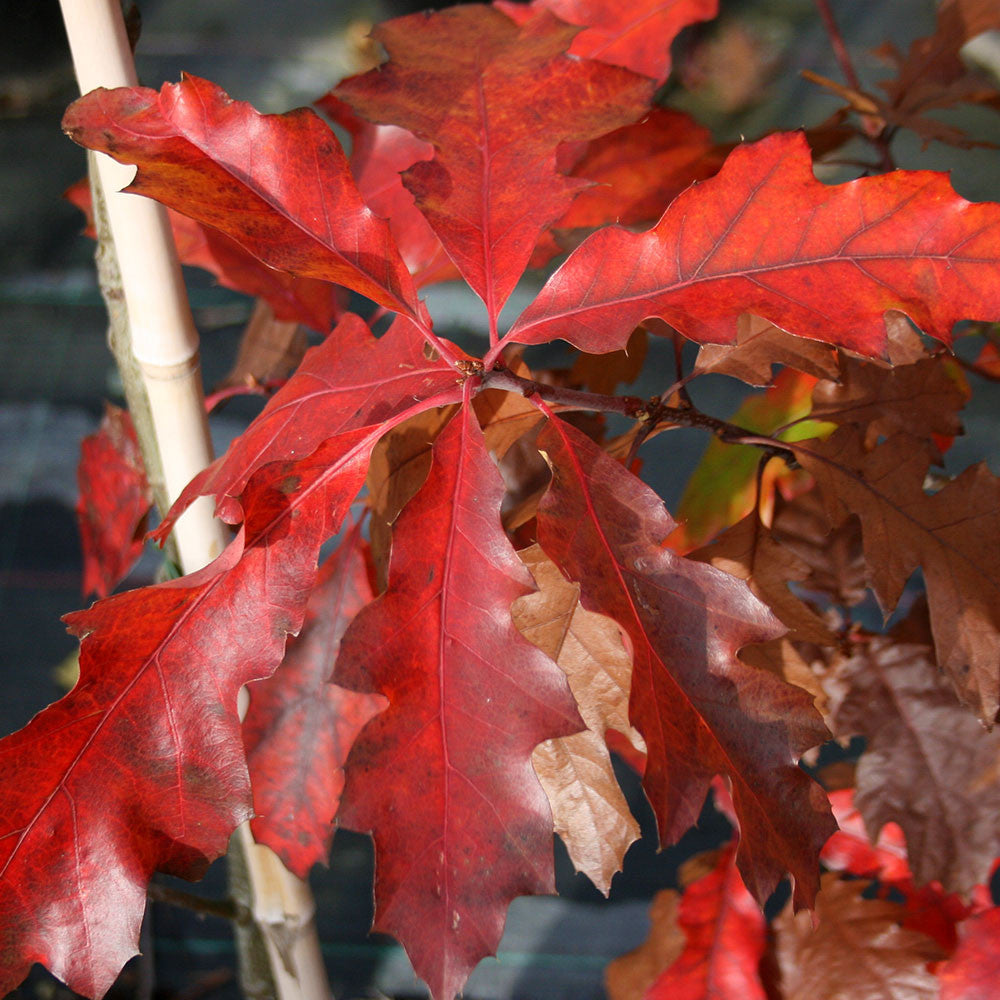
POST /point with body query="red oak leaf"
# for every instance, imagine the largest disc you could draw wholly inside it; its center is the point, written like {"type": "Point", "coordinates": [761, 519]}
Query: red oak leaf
{"type": "Point", "coordinates": [635, 35]}
{"type": "Point", "coordinates": [851, 850]}
{"type": "Point", "coordinates": [315, 303]}
{"type": "Point", "coordinates": [764, 236]}
{"type": "Point", "coordinates": [114, 502]}
{"type": "Point", "coordinates": [686, 621]}
{"type": "Point", "coordinates": [639, 169]}
{"type": "Point", "coordinates": [379, 154]}
{"type": "Point", "coordinates": [350, 380]}
{"type": "Point", "coordinates": [973, 972]}
{"type": "Point", "coordinates": [443, 777]}
{"type": "Point", "coordinates": [143, 766]}
{"type": "Point", "coordinates": [277, 184]}
{"type": "Point", "coordinates": [461, 79]}
{"type": "Point", "coordinates": [725, 940]}
{"type": "Point", "coordinates": [300, 726]}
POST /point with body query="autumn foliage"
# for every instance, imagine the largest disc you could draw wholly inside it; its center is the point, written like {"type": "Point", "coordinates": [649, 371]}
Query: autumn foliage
{"type": "Point", "coordinates": [507, 591]}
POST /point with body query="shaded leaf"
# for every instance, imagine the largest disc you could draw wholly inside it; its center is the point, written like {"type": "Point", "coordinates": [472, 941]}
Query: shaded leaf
{"type": "Point", "coordinates": [442, 778]}
{"type": "Point", "coordinates": [270, 349]}
{"type": "Point", "coordinates": [639, 169]}
{"type": "Point", "coordinates": [379, 154]}
{"type": "Point", "coordinates": [300, 726]}
{"type": "Point", "coordinates": [764, 236]}
{"type": "Point", "coordinates": [725, 932]}
{"type": "Point", "coordinates": [750, 552]}
{"type": "Point", "coordinates": [686, 621]}
{"type": "Point", "coordinates": [114, 502]}
{"type": "Point", "coordinates": [636, 35]}
{"type": "Point", "coordinates": [604, 372]}
{"type": "Point", "coordinates": [921, 399]}
{"type": "Point", "coordinates": [928, 765]}
{"type": "Point", "coordinates": [858, 951]}
{"type": "Point", "coordinates": [589, 809]}
{"type": "Point", "coordinates": [953, 535]}
{"type": "Point", "coordinates": [143, 766]}
{"type": "Point", "coordinates": [277, 184]}
{"type": "Point", "coordinates": [460, 79]}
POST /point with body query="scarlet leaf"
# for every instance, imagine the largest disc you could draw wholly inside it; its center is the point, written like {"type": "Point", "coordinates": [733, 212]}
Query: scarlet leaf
{"type": "Point", "coordinates": [460, 79]}
{"type": "Point", "coordinates": [639, 169]}
{"type": "Point", "coordinates": [443, 777]}
{"type": "Point", "coordinates": [952, 535]}
{"type": "Point", "coordinates": [351, 380]}
{"type": "Point", "coordinates": [764, 236]}
{"type": "Point", "coordinates": [300, 726]}
{"type": "Point", "coordinates": [635, 35]}
{"type": "Point", "coordinates": [973, 971]}
{"type": "Point", "coordinates": [928, 765]}
{"type": "Point", "coordinates": [857, 950]}
{"type": "Point", "coordinates": [114, 502]}
{"type": "Point", "coordinates": [686, 621]}
{"type": "Point", "coordinates": [379, 153]}
{"type": "Point", "coordinates": [725, 940]}
{"type": "Point", "coordinates": [851, 850]}
{"type": "Point", "coordinates": [589, 809]}
{"type": "Point", "coordinates": [277, 184]}
{"type": "Point", "coordinates": [143, 766]}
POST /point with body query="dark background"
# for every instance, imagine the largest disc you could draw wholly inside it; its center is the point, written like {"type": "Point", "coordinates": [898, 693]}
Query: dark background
{"type": "Point", "coordinates": [55, 371]}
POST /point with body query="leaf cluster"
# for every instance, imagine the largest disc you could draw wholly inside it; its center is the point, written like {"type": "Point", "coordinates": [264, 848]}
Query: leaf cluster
{"type": "Point", "coordinates": [510, 596]}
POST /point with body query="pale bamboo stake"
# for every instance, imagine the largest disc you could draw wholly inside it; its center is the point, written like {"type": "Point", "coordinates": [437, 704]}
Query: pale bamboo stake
{"type": "Point", "coordinates": [165, 349]}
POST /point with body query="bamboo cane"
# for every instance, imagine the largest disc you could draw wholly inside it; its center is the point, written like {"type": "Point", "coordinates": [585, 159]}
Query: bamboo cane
{"type": "Point", "coordinates": [286, 963]}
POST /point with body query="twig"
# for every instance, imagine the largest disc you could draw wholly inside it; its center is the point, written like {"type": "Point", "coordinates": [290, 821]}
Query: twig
{"type": "Point", "coordinates": [570, 399]}
{"type": "Point", "coordinates": [837, 43]}
{"type": "Point", "coordinates": [225, 909]}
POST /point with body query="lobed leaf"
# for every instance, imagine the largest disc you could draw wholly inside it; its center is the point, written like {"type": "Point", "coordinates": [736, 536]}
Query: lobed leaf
{"type": "Point", "coordinates": [461, 79]}
{"type": "Point", "coordinates": [443, 778]}
{"type": "Point", "coordinates": [141, 766]}
{"type": "Point", "coordinates": [277, 184]}
{"type": "Point", "coordinates": [300, 726]}
{"type": "Point", "coordinates": [764, 236]}
{"type": "Point", "coordinates": [686, 621]}
{"type": "Point", "coordinates": [952, 535]}
{"type": "Point", "coordinates": [588, 807]}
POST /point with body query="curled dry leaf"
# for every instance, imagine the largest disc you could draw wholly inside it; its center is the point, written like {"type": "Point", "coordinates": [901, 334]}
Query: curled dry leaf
{"type": "Point", "coordinates": [953, 535]}
{"type": "Point", "coordinates": [760, 345]}
{"type": "Point", "coordinates": [921, 399]}
{"type": "Point", "coordinates": [928, 766]}
{"type": "Point", "coordinates": [589, 809]}
{"type": "Point", "coordinates": [856, 951]}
